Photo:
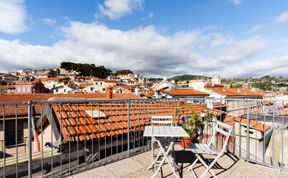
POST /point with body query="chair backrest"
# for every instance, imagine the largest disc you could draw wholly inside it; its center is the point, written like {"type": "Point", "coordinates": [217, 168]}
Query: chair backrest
{"type": "Point", "coordinates": [223, 129]}
{"type": "Point", "coordinates": [162, 120]}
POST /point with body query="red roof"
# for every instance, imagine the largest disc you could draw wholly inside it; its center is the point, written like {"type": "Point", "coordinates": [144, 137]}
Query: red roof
{"type": "Point", "coordinates": [185, 92]}
{"type": "Point", "coordinates": [253, 123]}
{"type": "Point", "coordinates": [51, 78]}
{"type": "Point", "coordinates": [150, 94]}
{"type": "Point", "coordinates": [76, 124]}
{"type": "Point", "coordinates": [236, 92]}
{"type": "Point", "coordinates": [7, 86]}
{"type": "Point", "coordinates": [10, 109]}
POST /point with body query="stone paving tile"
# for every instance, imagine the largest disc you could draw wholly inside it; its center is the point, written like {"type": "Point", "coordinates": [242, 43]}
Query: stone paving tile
{"type": "Point", "coordinates": [100, 172]}
{"type": "Point", "coordinates": [124, 167]}
{"type": "Point", "coordinates": [227, 166]}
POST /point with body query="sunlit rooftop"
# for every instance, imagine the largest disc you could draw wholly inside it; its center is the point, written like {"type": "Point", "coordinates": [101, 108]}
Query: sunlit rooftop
{"type": "Point", "coordinates": [227, 166]}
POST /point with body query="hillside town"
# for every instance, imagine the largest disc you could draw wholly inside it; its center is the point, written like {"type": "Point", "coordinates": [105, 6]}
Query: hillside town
{"type": "Point", "coordinates": [69, 81]}
{"type": "Point", "coordinates": [125, 96]}
{"type": "Point", "coordinates": [138, 88]}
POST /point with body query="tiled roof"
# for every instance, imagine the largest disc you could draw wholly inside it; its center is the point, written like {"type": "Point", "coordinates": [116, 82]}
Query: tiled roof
{"type": "Point", "coordinates": [245, 92]}
{"type": "Point", "coordinates": [10, 110]}
{"type": "Point", "coordinates": [210, 85]}
{"type": "Point", "coordinates": [76, 124]}
{"type": "Point", "coordinates": [51, 78]}
{"type": "Point", "coordinates": [84, 85]}
{"type": "Point", "coordinates": [162, 89]}
{"type": "Point", "coordinates": [150, 94]}
{"type": "Point", "coordinates": [215, 112]}
{"type": "Point", "coordinates": [110, 81]}
{"type": "Point", "coordinates": [236, 92]}
{"type": "Point", "coordinates": [7, 86]}
{"type": "Point", "coordinates": [253, 123]}
{"type": "Point", "coordinates": [185, 92]}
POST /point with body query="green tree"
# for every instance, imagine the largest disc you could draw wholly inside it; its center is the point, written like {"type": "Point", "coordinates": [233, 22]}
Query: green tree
{"type": "Point", "coordinates": [87, 69]}
{"type": "Point", "coordinates": [123, 72]}
{"type": "Point", "coordinates": [52, 73]}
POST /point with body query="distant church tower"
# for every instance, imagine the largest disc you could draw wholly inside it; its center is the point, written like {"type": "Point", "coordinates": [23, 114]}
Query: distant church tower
{"type": "Point", "coordinates": [216, 79]}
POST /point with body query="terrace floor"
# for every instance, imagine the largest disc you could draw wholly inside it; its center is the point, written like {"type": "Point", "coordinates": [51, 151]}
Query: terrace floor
{"type": "Point", "coordinates": [136, 166]}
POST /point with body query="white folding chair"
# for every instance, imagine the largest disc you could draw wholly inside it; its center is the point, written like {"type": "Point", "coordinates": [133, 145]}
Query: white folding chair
{"type": "Point", "coordinates": [162, 120]}
{"type": "Point", "coordinates": [201, 149]}
{"type": "Point", "coordinates": [159, 121]}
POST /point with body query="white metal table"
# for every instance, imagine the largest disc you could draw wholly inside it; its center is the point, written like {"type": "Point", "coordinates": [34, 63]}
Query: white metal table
{"type": "Point", "coordinates": [158, 132]}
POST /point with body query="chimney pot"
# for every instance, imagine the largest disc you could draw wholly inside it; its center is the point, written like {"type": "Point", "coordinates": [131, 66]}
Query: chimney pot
{"type": "Point", "coordinates": [109, 92]}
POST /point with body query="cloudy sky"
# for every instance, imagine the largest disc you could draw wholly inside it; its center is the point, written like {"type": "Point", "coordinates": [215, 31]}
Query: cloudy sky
{"type": "Point", "coordinates": [233, 38]}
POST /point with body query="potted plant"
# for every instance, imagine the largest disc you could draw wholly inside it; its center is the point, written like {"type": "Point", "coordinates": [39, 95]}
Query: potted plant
{"type": "Point", "coordinates": [193, 123]}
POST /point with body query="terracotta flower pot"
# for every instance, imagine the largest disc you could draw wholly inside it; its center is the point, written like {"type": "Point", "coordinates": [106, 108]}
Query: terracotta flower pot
{"type": "Point", "coordinates": [185, 142]}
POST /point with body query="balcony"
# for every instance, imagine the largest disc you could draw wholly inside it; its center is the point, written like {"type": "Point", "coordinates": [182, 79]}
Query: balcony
{"type": "Point", "coordinates": [136, 166]}
{"type": "Point", "coordinates": [105, 137]}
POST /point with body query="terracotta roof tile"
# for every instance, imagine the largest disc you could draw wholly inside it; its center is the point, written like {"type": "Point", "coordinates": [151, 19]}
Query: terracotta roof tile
{"type": "Point", "coordinates": [10, 109]}
{"type": "Point", "coordinates": [236, 92]}
{"type": "Point", "coordinates": [253, 123]}
{"type": "Point", "coordinates": [116, 120]}
{"type": "Point", "coordinates": [186, 92]}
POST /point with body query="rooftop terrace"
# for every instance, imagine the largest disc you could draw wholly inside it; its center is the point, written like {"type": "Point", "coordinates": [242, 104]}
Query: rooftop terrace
{"type": "Point", "coordinates": [95, 137]}
{"type": "Point", "coordinates": [227, 166]}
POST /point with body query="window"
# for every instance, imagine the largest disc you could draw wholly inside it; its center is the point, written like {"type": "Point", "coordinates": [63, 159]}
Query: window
{"type": "Point", "coordinates": [92, 89]}
{"type": "Point", "coordinates": [10, 134]}
{"type": "Point", "coordinates": [104, 89]}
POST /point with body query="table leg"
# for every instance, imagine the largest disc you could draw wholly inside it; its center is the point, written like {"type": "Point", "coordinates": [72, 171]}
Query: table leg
{"type": "Point", "coordinates": [156, 159]}
{"type": "Point", "coordinates": [166, 154]}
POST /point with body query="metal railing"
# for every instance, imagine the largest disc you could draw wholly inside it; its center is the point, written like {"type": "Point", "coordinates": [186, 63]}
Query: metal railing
{"type": "Point", "coordinates": [59, 138]}
{"type": "Point", "coordinates": [260, 131]}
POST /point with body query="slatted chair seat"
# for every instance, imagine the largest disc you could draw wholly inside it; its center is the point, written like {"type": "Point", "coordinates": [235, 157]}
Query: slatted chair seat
{"type": "Point", "coordinates": [202, 149]}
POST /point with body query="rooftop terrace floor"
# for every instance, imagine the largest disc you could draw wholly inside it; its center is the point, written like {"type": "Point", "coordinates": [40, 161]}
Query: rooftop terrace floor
{"type": "Point", "coordinates": [227, 166]}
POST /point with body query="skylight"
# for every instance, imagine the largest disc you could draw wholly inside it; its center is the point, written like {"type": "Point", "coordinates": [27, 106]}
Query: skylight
{"type": "Point", "coordinates": [95, 113]}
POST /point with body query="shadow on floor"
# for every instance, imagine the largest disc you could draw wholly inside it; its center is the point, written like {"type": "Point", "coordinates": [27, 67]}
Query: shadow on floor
{"type": "Point", "coordinates": [187, 157]}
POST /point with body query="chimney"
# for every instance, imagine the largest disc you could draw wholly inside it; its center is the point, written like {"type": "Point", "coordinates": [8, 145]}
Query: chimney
{"type": "Point", "coordinates": [238, 90]}
{"type": "Point", "coordinates": [109, 92]}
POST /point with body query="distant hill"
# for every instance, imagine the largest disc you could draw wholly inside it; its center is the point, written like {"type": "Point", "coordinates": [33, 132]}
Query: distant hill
{"type": "Point", "coordinates": [266, 83]}
{"type": "Point", "coordinates": [155, 79]}
{"type": "Point", "coordinates": [189, 77]}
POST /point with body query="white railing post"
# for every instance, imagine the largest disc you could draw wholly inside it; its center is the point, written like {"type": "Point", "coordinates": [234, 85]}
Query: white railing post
{"type": "Point", "coordinates": [29, 140]}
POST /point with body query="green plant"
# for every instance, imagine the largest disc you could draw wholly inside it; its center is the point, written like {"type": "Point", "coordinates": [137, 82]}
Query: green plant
{"type": "Point", "coordinates": [193, 123]}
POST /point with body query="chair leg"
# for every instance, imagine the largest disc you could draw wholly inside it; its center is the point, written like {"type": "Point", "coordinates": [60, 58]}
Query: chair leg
{"type": "Point", "coordinates": [152, 147]}
{"type": "Point", "coordinates": [208, 168]}
{"type": "Point", "coordinates": [191, 167]}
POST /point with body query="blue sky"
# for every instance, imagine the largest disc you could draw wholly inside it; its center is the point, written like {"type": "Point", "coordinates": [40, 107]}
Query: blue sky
{"type": "Point", "coordinates": [233, 38]}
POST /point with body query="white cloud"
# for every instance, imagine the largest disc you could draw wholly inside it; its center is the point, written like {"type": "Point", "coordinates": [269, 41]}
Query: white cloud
{"type": "Point", "coordinates": [12, 16]}
{"type": "Point", "coordinates": [256, 28]}
{"type": "Point", "coordinates": [236, 2]}
{"type": "Point", "coordinates": [115, 9]}
{"type": "Point", "coordinates": [218, 40]}
{"type": "Point", "coordinates": [283, 17]}
{"type": "Point", "coordinates": [269, 66]}
{"type": "Point", "coordinates": [144, 50]}
{"type": "Point", "coordinates": [151, 15]}
{"type": "Point", "coordinates": [243, 49]}
{"type": "Point", "coordinates": [49, 21]}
